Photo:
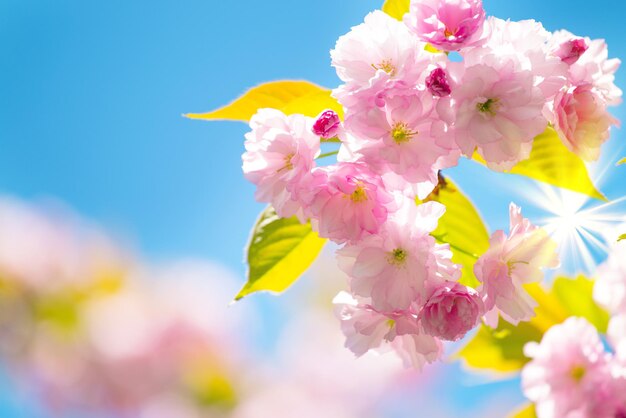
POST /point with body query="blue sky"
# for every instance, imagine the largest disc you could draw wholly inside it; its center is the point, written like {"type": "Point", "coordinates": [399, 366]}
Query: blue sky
{"type": "Point", "coordinates": [91, 95]}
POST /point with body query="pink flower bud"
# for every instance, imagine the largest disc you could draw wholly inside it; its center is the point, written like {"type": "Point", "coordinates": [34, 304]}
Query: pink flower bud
{"type": "Point", "coordinates": [437, 83]}
{"type": "Point", "coordinates": [570, 51]}
{"type": "Point", "coordinates": [451, 311]}
{"type": "Point", "coordinates": [327, 124]}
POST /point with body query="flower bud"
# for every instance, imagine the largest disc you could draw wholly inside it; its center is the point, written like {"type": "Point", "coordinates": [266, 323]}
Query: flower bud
{"type": "Point", "coordinates": [437, 83]}
{"type": "Point", "coordinates": [451, 311]}
{"type": "Point", "coordinates": [327, 124]}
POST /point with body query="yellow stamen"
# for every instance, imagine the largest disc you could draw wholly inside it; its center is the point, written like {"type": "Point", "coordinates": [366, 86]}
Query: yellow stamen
{"type": "Point", "coordinates": [387, 66]}
{"type": "Point", "coordinates": [577, 373]}
{"type": "Point", "coordinates": [401, 133]}
{"type": "Point", "coordinates": [359, 194]}
{"type": "Point", "coordinates": [288, 164]}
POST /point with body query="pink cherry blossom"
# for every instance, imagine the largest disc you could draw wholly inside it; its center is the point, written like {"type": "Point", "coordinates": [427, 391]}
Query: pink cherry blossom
{"type": "Point", "coordinates": [610, 287]}
{"type": "Point", "coordinates": [511, 262]}
{"type": "Point", "coordinates": [367, 329]}
{"type": "Point", "coordinates": [327, 124]}
{"type": "Point", "coordinates": [451, 311]}
{"type": "Point", "coordinates": [592, 67]}
{"type": "Point", "coordinates": [497, 110]}
{"type": "Point", "coordinates": [375, 55]}
{"type": "Point", "coordinates": [348, 202]}
{"type": "Point", "coordinates": [525, 45]}
{"type": "Point", "coordinates": [567, 370]}
{"type": "Point", "coordinates": [449, 25]}
{"type": "Point", "coordinates": [393, 267]}
{"type": "Point", "coordinates": [582, 120]}
{"type": "Point", "coordinates": [280, 152]}
{"type": "Point", "coordinates": [379, 45]}
{"type": "Point", "coordinates": [404, 135]}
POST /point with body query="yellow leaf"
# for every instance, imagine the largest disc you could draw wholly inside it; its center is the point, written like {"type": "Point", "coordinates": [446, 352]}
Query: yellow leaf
{"type": "Point", "coordinates": [526, 412]}
{"type": "Point", "coordinates": [462, 227]}
{"type": "Point", "coordinates": [551, 162]}
{"type": "Point", "coordinates": [289, 96]}
{"type": "Point", "coordinates": [622, 161]}
{"type": "Point", "coordinates": [501, 350]}
{"type": "Point", "coordinates": [280, 250]}
{"type": "Point", "coordinates": [396, 8]}
{"type": "Point", "coordinates": [621, 237]}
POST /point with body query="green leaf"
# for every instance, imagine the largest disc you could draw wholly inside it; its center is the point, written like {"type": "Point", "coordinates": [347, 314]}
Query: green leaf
{"type": "Point", "coordinates": [396, 8]}
{"type": "Point", "coordinates": [622, 161]}
{"type": "Point", "coordinates": [279, 251]}
{"type": "Point", "coordinates": [551, 162]}
{"type": "Point", "coordinates": [462, 227]}
{"type": "Point", "coordinates": [525, 412]}
{"type": "Point", "coordinates": [621, 237]}
{"type": "Point", "coordinates": [501, 350]}
{"type": "Point", "coordinates": [289, 96]}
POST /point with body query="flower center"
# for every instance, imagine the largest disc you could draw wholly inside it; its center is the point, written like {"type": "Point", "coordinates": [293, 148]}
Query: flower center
{"type": "Point", "coordinates": [489, 106]}
{"type": "Point", "coordinates": [387, 66]}
{"type": "Point", "coordinates": [401, 133]}
{"type": "Point", "coordinates": [359, 194]}
{"type": "Point", "coordinates": [397, 257]}
{"type": "Point", "coordinates": [449, 33]}
{"type": "Point", "coordinates": [577, 373]}
{"type": "Point", "coordinates": [288, 164]}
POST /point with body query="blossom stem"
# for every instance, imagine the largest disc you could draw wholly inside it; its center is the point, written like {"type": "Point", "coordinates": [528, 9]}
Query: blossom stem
{"type": "Point", "coordinates": [327, 154]}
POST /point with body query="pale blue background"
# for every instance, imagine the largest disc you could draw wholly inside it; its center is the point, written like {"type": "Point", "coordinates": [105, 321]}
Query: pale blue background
{"type": "Point", "coordinates": [91, 94]}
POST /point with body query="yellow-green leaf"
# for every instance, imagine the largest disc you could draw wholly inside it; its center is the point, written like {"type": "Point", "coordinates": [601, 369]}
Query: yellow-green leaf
{"type": "Point", "coordinates": [501, 350]}
{"type": "Point", "coordinates": [622, 161]}
{"type": "Point", "coordinates": [462, 227]}
{"type": "Point", "coordinates": [551, 162]}
{"type": "Point", "coordinates": [279, 251]}
{"type": "Point", "coordinates": [621, 237]}
{"type": "Point", "coordinates": [289, 96]}
{"type": "Point", "coordinates": [396, 8]}
{"type": "Point", "coordinates": [525, 412]}
{"type": "Point", "coordinates": [576, 297]}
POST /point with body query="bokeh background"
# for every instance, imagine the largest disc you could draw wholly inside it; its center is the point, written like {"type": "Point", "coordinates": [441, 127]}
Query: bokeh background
{"type": "Point", "coordinates": [91, 97]}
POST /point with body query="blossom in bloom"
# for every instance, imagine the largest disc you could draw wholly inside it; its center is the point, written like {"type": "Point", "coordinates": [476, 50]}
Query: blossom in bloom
{"type": "Point", "coordinates": [496, 110]}
{"type": "Point", "coordinates": [404, 135]}
{"type": "Point", "coordinates": [347, 202]}
{"type": "Point", "coordinates": [525, 45]}
{"type": "Point", "coordinates": [366, 329]}
{"type": "Point", "coordinates": [567, 370]}
{"type": "Point", "coordinates": [449, 25]}
{"type": "Point", "coordinates": [610, 287]}
{"type": "Point", "coordinates": [393, 266]}
{"type": "Point", "coordinates": [280, 153]}
{"type": "Point", "coordinates": [582, 120]}
{"type": "Point", "coordinates": [451, 311]}
{"type": "Point", "coordinates": [437, 83]}
{"type": "Point", "coordinates": [327, 124]}
{"type": "Point", "coordinates": [379, 52]}
{"type": "Point", "coordinates": [511, 262]}
{"type": "Point", "coordinates": [593, 65]}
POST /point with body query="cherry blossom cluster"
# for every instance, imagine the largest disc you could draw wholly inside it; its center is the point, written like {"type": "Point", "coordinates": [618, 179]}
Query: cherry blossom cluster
{"type": "Point", "coordinates": [417, 95]}
{"type": "Point", "coordinates": [571, 373]}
